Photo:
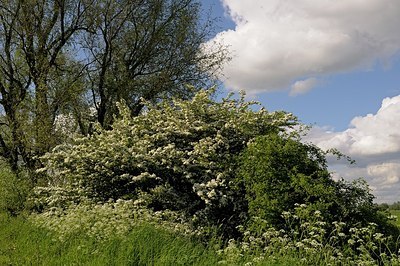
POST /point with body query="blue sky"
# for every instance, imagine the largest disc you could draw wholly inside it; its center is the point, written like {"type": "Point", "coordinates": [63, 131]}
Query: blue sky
{"type": "Point", "coordinates": [334, 64]}
{"type": "Point", "coordinates": [342, 97]}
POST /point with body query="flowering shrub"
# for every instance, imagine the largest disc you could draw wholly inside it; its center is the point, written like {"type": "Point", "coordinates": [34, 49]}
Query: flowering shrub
{"type": "Point", "coordinates": [193, 166]}
{"type": "Point", "coordinates": [107, 219]}
{"type": "Point", "coordinates": [178, 156]}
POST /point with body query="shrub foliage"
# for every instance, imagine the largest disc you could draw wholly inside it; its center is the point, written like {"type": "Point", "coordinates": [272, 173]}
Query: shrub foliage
{"type": "Point", "coordinates": [215, 164]}
{"type": "Point", "coordinates": [179, 155]}
{"type": "Point", "coordinates": [14, 189]}
{"type": "Point", "coordinates": [280, 172]}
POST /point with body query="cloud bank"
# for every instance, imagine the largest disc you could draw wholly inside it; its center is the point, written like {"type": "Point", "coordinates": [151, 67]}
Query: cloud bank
{"type": "Point", "coordinates": [280, 44]}
{"type": "Point", "coordinates": [374, 142]}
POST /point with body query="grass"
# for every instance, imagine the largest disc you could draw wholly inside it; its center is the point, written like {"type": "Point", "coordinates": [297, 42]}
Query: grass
{"type": "Point", "coordinates": [396, 213]}
{"type": "Point", "coordinates": [21, 243]}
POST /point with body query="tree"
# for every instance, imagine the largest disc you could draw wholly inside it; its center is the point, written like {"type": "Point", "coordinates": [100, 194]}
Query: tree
{"type": "Point", "coordinates": [14, 84]}
{"type": "Point", "coordinates": [147, 50]}
{"type": "Point", "coordinates": [66, 58]}
{"type": "Point", "coordinates": [35, 35]}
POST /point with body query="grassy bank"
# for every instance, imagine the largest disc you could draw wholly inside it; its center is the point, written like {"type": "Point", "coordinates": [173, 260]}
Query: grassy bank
{"type": "Point", "coordinates": [21, 243]}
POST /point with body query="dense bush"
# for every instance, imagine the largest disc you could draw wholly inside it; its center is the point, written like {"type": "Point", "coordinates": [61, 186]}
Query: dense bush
{"type": "Point", "coordinates": [217, 164]}
{"type": "Point", "coordinates": [279, 172]}
{"type": "Point", "coordinates": [178, 156]}
{"type": "Point", "coordinates": [14, 189]}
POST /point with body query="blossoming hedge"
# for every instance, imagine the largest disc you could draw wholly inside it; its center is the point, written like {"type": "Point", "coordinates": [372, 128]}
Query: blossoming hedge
{"type": "Point", "coordinates": [218, 164]}
{"type": "Point", "coordinates": [178, 155]}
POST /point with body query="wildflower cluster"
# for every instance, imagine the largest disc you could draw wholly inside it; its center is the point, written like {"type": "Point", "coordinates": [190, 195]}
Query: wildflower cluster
{"type": "Point", "coordinates": [108, 219]}
{"type": "Point", "coordinates": [313, 241]}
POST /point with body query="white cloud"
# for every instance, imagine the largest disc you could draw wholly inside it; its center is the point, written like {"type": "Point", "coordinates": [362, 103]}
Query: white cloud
{"type": "Point", "coordinates": [277, 43]}
{"type": "Point", "coordinates": [374, 142]}
{"type": "Point", "coordinates": [303, 86]}
{"type": "Point", "coordinates": [370, 135]}
{"type": "Point", "coordinates": [389, 173]}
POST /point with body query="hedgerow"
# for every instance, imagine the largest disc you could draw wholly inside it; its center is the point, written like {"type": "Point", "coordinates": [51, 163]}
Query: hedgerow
{"type": "Point", "coordinates": [179, 156]}
{"type": "Point", "coordinates": [204, 167]}
{"type": "Point", "coordinates": [277, 172]}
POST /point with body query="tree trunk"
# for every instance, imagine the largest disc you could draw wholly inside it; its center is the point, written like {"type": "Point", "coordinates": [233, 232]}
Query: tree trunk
{"type": "Point", "coordinates": [43, 119]}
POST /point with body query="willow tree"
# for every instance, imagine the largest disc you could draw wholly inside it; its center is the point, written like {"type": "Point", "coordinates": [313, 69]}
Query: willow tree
{"type": "Point", "coordinates": [147, 50]}
{"type": "Point", "coordinates": [34, 37]}
{"type": "Point", "coordinates": [66, 57]}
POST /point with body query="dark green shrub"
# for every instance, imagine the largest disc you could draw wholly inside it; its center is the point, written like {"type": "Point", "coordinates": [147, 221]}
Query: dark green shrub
{"type": "Point", "coordinates": [278, 172]}
{"type": "Point", "coordinates": [14, 189]}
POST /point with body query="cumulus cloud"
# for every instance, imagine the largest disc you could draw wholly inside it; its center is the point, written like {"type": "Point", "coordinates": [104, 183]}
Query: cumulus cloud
{"type": "Point", "coordinates": [303, 86]}
{"type": "Point", "coordinates": [277, 44]}
{"type": "Point", "coordinates": [374, 142]}
{"type": "Point", "coordinates": [370, 135]}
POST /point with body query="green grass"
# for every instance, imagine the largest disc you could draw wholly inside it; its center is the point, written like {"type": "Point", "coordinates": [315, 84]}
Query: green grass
{"type": "Point", "coordinates": [397, 213]}
{"type": "Point", "coordinates": [21, 243]}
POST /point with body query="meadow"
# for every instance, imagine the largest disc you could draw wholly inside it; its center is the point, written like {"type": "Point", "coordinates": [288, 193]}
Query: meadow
{"type": "Point", "coordinates": [22, 243]}
{"type": "Point", "coordinates": [25, 243]}
{"type": "Point", "coordinates": [397, 214]}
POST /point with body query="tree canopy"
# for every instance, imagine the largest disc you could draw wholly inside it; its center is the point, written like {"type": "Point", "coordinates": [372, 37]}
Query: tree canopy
{"type": "Point", "coordinates": [76, 58]}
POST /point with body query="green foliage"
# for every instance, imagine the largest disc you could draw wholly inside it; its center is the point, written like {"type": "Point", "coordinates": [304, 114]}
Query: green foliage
{"type": "Point", "coordinates": [279, 171]}
{"type": "Point", "coordinates": [206, 168]}
{"type": "Point", "coordinates": [218, 164]}
{"type": "Point", "coordinates": [14, 190]}
{"type": "Point", "coordinates": [178, 156]}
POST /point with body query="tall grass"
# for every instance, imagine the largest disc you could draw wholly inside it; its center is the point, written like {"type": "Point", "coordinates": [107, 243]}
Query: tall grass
{"type": "Point", "coordinates": [22, 243]}
{"type": "Point", "coordinates": [397, 214]}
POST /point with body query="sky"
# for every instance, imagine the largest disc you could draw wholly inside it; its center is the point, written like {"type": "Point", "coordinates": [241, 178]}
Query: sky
{"type": "Point", "coordinates": [333, 64]}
